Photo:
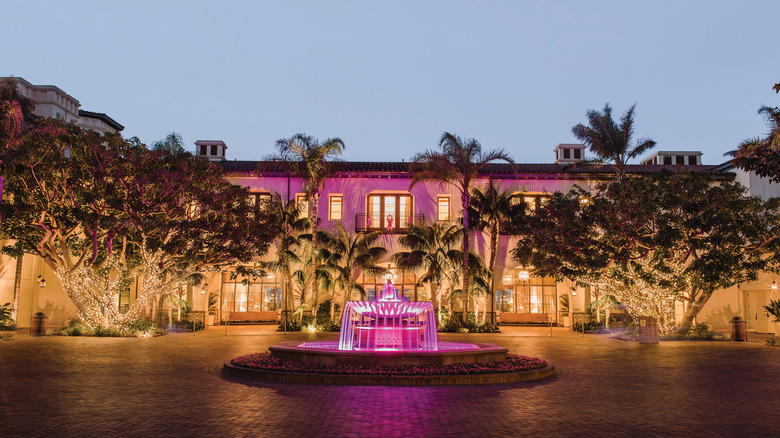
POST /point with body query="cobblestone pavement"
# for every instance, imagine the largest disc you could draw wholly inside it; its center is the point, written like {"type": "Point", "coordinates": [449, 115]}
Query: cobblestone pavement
{"type": "Point", "coordinates": [171, 386]}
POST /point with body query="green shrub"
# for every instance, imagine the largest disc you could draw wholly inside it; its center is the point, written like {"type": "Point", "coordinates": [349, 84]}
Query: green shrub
{"type": "Point", "coordinates": [6, 322]}
{"type": "Point", "coordinates": [700, 331]}
{"type": "Point", "coordinates": [191, 323]}
{"type": "Point", "coordinates": [293, 325]}
{"type": "Point", "coordinates": [107, 332]}
{"type": "Point", "coordinates": [77, 330]}
{"type": "Point", "coordinates": [143, 324]}
{"type": "Point", "coordinates": [589, 326]}
{"type": "Point", "coordinates": [455, 325]}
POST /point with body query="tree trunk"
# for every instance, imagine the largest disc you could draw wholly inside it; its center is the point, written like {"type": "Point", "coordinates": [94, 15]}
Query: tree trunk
{"type": "Point", "coordinates": [466, 234]}
{"type": "Point", "coordinates": [435, 302]}
{"type": "Point", "coordinates": [492, 294]}
{"type": "Point", "coordinates": [17, 290]}
{"type": "Point", "coordinates": [693, 310]}
{"type": "Point", "coordinates": [315, 222]}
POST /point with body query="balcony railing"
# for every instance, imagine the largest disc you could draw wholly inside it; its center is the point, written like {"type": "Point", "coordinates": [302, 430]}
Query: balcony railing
{"type": "Point", "coordinates": [386, 224]}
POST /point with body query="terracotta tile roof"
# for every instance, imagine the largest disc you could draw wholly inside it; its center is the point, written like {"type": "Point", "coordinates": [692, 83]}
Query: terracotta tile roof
{"type": "Point", "coordinates": [496, 168]}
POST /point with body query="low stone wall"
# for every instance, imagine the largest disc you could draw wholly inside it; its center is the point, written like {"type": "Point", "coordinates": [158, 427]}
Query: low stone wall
{"type": "Point", "coordinates": [335, 379]}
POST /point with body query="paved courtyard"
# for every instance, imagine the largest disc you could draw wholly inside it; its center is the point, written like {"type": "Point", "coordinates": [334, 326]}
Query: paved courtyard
{"type": "Point", "coordinates": [171, 386]}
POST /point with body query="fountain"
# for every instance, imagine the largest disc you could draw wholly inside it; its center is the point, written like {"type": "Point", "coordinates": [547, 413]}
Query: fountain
{"type": "Point", "coordinates": [388, 324]}
{"type": "Point", "coordinates": [389, 330]}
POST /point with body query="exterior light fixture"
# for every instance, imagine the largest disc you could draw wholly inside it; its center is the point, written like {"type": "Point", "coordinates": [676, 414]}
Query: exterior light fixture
{"type": "Point", "coordinates": [40, 277]}
{"type": "Point", "coordinates": [43, 282]}
{"type": "Point", "coordinates": [573, 291]}
{"type": "Point", "coordinates": [204, 288]}
{"type": "Point", "coordinates": [523, 275]}
{"type": "Point", "coordinates": [774, 285]}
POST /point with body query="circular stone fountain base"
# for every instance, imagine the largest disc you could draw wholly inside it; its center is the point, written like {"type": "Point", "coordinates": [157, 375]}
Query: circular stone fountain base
{"type": "Point", "coordinates": [449, 353]}
{"type": "Point", "coordinates": [384, 380]}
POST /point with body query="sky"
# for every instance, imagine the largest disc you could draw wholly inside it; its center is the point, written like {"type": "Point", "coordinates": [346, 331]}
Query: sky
{"type": "Point", "coordinates": [389, 77]}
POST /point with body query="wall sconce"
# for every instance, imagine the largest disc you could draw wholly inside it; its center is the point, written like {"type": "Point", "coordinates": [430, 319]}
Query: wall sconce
{"type": "Point", "coordinates": [774, 285]}
{"type": "Point", "coordinates": [43, 282]}
{"type": "Point", "coordinates": [523, 275]}
{"type": "Point", "coordinates": [204, 288]}
{"type": "Point", "coordinates": [573, 291]}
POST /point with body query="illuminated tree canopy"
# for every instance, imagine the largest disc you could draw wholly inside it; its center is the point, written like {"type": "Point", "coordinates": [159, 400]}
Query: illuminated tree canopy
{"type": "Point", "coordinates": [654, 240]}
{"type": "Point", "coordinates": [102, 211]}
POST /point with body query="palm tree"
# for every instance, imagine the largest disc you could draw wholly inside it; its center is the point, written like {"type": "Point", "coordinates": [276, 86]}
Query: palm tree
{"type": "Point", "coordinates": [314, 162]}
{"type": "Point", "coordinates": [491, 209]}
{"type": "Point", "coordinates": [458, 163]}
{"type": "Point", "coordinates": [430, 248]}
{"type": "Point", "coordinates": [348, 255]}
{"type": "Point", "coordinates": [760, 154]}
{"type": "Point", "coordinates": [609, 141]}
{"type": "Point", "coordinates": [290, 225]}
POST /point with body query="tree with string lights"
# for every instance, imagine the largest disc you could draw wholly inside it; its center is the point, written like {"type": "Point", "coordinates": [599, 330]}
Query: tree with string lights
{"type": "Point", "coordinates": [101, 211]}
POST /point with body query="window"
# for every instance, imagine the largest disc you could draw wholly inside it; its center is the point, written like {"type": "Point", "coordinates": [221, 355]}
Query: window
{"type": "Point", "coordinates": [214, 150]}
{"type": "Point", "coordinates": [262, 199]}
{"type": "Point", "coordinates": [680, 160]}
{"type": "Point", "coordinates": [537, 295]}
{"type": "Point", "coordinates": [692, 160]}
{"type": "Point", "coordinates": [335, 208]}
{"type": "Point", "coordinates": [203, 149]}
{"type": "Point", "coordinates": [577, 154]}
{"type": "Point", "coordinates": [566, 154]}
{"type": "Point", "coordinates": [303, 205]}
{"type": "Point", "coordinates": [443, 208]}
{"type": "Point", "coordinates": [533, 201]}
{"type": "Point", "coordinates": [242, 294]}
{"type": "Point", "coordinates": [389, 212]}
{"type": "Point", "coordinates": [667, 159]}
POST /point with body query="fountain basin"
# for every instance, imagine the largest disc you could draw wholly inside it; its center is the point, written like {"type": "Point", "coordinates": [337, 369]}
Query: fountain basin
{"type": "Point", "coordinates": [448, 353]}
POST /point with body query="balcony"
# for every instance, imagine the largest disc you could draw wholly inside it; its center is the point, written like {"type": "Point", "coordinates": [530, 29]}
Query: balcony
{"type": "Point", "coordinates": [390, 224]}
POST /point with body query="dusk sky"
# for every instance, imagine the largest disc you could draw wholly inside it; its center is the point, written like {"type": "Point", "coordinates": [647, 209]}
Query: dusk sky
{"type": "Point", "coordinates": [390, 77]}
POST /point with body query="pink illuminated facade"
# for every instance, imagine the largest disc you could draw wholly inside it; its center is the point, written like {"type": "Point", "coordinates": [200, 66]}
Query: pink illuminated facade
{"type": "Point", "coordinates": [367, 196]}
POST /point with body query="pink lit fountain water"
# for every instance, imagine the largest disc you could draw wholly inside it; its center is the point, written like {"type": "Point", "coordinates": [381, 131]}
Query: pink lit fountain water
{"type": "Point", "coordinates": [388, 324]}
{"type": "Point", "coordinates": [390, 330]}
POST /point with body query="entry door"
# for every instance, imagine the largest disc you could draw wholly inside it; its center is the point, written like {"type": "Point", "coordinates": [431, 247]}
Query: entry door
{"type": "Point", "coordinates": [756, 316]}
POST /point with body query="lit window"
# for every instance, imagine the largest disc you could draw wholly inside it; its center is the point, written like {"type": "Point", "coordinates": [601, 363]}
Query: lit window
{"type": "Point", "coordinates": [532, 201]}
{"type": "Point", "coordinates": [263, 200]}
{"type": "Point", "coordinates": [443, 208]}
{"type": "Point", "coordinates": [303, 205]}
{"type": "Point", "coordinates": [336, 203]}
{"type": "Point", "coordinates": [389, 212]}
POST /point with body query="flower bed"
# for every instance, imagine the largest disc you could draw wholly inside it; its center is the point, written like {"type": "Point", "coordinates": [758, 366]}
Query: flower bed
{"type": "Point", "coordinates": [267, 362]}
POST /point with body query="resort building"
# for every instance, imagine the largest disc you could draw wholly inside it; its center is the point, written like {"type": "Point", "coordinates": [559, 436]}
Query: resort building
{"type": "Point", "coordinates": [376, 196]}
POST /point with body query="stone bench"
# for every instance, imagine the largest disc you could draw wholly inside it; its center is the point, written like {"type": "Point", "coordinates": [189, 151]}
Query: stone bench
{"type": "Point", "coordinates": [251, 317]}
{"type": "Point", "coordinates": [523, 318]}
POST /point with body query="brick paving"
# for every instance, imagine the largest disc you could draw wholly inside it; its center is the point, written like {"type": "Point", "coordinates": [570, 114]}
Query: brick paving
{"type": "Point", "coordinates": [172, 386]}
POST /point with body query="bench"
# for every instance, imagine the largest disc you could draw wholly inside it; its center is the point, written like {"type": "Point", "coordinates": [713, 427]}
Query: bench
{"type": "Point", "coordinates": [523, 318]}
{"type": "Point", "coordinates": [252, 317]}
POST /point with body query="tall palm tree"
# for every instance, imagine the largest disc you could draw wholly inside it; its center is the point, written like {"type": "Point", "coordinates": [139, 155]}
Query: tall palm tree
{"type": "Point", "coordinates": [609, 141]}
{"type": "Point", "coordinates": [431, 248]}
{"type": "Point", "coordinates": [290, 226]}
{"type": "Point", "coordinates": [458, 163]}
{"type": "Point", "coordinates": [314, 162]}
{"type": "Point", "coordinates": [348, 255]}
{"type": "Point", "coordinates": [491, 209]}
